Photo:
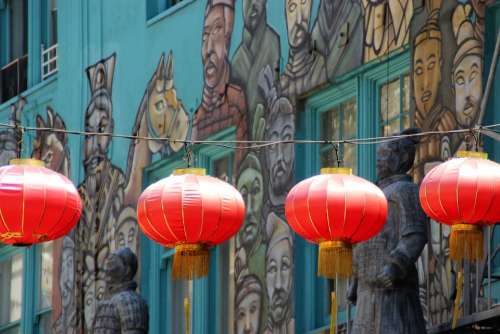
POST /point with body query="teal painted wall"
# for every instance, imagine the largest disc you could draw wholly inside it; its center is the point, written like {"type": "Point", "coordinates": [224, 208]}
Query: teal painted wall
{"type": "Point", "coordinates": [94, 30]}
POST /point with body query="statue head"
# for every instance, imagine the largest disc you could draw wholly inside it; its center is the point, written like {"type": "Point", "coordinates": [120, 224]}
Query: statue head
{"type": "Point", "coordinates": [467, 68]}
{"type": "Point", "coordinates": [427, 60]}
{"type": "Point", "coordinates": [248, 305]}
{"type": "Point", "coordinates": [254, 13]}
{"type": "Point", "coordinates": [279, 268]}
{"type": "Point", "coordinates": [217, 30]}
{"type": "Point", "coordinates": [120, 268]}
{"type": "Point", "coordinates": [298, 14]}
{"type": "Point", "coordinates": [396, 156]}
{"type": "Point", "coordinates": [98, 116]}
{"type": "Point", "coordinates": [250, 184]}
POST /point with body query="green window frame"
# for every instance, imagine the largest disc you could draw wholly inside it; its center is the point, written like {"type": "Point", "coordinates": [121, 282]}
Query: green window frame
{"type": "Point", "coordinates": [157, 8]}
{"type": "Point", "coordinates": [35, 316]}
{"type": "Point", "coordinates": [365, 85]}
{"type": "Point", "coordinates": [208, 294]}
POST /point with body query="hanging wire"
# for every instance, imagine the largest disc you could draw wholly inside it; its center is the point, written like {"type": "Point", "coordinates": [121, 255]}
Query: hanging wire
{"type": "Point", "coordinates": [257, 144]}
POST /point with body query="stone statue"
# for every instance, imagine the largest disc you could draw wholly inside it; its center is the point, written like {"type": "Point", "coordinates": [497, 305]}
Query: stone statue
{"type": "Point", "coordinates": [385, 284]}
{"type": "Point", "coordinates": [123, 310]}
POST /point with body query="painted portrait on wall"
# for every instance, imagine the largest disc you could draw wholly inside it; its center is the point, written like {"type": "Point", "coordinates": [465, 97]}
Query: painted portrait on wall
{"type": "Point", "coordinates": [338, 35]}
{"type": "Point", "coordinates": [305, 68]}
{"type": "Point", "coordinates": [223, 103]}
{"type": "Point", "coordinates": [249, 305]}
{"type": "Point", "coordinates": [251, 57]}
{"type": "Point", "coordinates": [386, 26]}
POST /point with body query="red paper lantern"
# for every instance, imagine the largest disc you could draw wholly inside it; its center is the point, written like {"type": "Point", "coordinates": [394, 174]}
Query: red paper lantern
{"type": "Point", "coordinates": [336, 210]}
{"type": "Point", "coordinates": [36, 203]}
{"type": "Point", "coordinates": [190, 212]}
{"type": "Point", "coordinates": [463, 192]}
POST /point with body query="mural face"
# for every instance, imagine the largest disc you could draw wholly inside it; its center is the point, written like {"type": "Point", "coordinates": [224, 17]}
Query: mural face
{"type": "Point", "coordinates": [250, 185]}
{"type": "Point", "coordinates": [215, 45]}
{"type": "Point", "coordinates": [279, 274]}
{"type": "Point", "coordinates": [427, 73]}
{"type": "Point", "coordinates": [98, 119]}
{"type": "Point", "coordinates": [248, 314]}
{"type": "Point", "coordinates": [297, 21]}
{"type": "Point", "coordinates": [280, 157]}
{"type": "Point", "coordinates": [468, 89]}
{"type": "Point", "coordinates": [67, 278]}
{"type": "Point", "coordinates": [8, 147]}
{"type": "Point", "coordinates": [253, 13]}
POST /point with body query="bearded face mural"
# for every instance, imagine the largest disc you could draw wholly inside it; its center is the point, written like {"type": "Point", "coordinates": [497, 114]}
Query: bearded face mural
{"type": "Point", "coordinates": [467, 68]}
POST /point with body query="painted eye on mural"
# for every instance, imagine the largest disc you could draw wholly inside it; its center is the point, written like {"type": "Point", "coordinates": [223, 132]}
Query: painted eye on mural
{"type": "Point", "coordinates": [255, 187]}
{"type": "Point", "coordinates": [241, 314]}
{"type": "Point", "coordinates": [292, 6]}
{"type": "Point", "coordinates": [431, 65]}
{"type": "Point", "coordinates": [473, 75]}
{"type": "Point", "coordinates": [285, 265]}
{"type": "Point", "coordinates": [419, 70]}
{"type": "Point", "coordinates": [272, 268]}
{"type": "Point", "coordinates": [459, 79]}
{"type": "Point", "coordinates": [253, 308]}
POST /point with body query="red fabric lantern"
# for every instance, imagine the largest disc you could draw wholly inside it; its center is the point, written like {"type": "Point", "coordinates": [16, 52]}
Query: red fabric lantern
{"type": "Point", "coordinates": [36, 203]}
{"type": "Point", "coordinates": [190, 212]}
{"type": "Point", "coordinates": [465, 193]}
{"type": "Point", "coordinates": [336, 210]}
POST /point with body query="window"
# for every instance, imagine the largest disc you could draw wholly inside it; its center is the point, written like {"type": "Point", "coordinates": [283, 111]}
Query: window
{"type": "Point", "coordinates": [11, 285]}
{"type": "Point", "coordinates": [49, 38]}
{"type": "Point", "coordinates": [366, 103]}
{"type": "Point", "coordinates": [211, 298]}
{"type": "Point", "coordinates": [155, 7]}
{"type": "Point", "coordinates": [26, 289]}
{"type": "Point", "coordinates": [395, 106]}
{"type": "Point", "coordinates": [18, 38]}
{"type": "Point", "coordinates": [340, 123]}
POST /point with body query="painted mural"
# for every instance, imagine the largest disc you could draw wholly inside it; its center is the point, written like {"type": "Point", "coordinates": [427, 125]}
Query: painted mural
{"type": "Point", "coordinates": [258, 95]}
{"type": "Point", "coordinates": [386, 26]}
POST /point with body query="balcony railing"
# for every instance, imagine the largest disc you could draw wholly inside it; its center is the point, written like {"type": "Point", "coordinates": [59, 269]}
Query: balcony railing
{"type": "Point", "coordinates": [49, 61]}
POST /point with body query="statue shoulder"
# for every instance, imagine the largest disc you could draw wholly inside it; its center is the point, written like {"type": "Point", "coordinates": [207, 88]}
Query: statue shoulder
{"type": "Point", "coordinates": [132, 309]}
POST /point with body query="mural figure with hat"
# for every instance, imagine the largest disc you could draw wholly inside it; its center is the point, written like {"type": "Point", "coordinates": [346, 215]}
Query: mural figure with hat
{"type": "Point", "coordinates": [223, 103]}
{"type": "Point", "coordinates": [250, 241]}
{"type": "Point", "coordinates": [279, 277]}
{"type": "Point", "coordinates": [467, 68]}
{"type": "Point", "coordinates": [430, 113]}
{"type": "Point", "coordinates": [8, 137]}
{"type": "Point", "coordinates": [386, 26]}
{"type": "Point", "coordinates": [106, 201]}
{"type": "Point", "coordinates": [249, 304]}
{"type": "Point", "coordinates": [306, 67]}
{"type": "Point", "coordinates": [279, 159]}
{"type": "Point", "coordinates": [251, 57]}
{"type": "Point", "coordinates": [338, 35]}
{"type": "Point", "coordinates": [385, 283]}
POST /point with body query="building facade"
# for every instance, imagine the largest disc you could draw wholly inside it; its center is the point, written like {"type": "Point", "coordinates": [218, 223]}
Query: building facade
{"type": "Point", "coordinates": [248, 70]}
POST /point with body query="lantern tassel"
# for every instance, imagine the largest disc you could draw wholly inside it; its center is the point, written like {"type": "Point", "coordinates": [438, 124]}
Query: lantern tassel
{"type": "Point", "coordinates": [187, 315]}
{"type": "Point", "coordinates": [190, 261]}
{"type": "Point", "coordinates": [458, 298]}
{"type": "Point", "coordinates": [466, 242]}
{"type": "Point", "coordinates": [335, 258]}
{"type": "Point", "coordinates": [333, 311]}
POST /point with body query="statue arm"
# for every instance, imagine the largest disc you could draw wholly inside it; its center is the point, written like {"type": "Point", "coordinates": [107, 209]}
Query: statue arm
{"type": "Point", "coordinates": [413, 230]}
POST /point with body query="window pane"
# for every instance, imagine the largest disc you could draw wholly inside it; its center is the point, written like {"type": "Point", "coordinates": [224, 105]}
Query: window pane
{"type": "Point", "coordinates": [45, 324]}
{"type": "Point", "coordinates": [11, 288]}
{"type": "Point", "coordinates": [13, 330]}
{"type": "Point", "coordinates": [337, 124]}
{"type": "Point", "coordinates": [45, 279]}
{"type": "Point", "coordinates": [390, 104]}
{"type": "Point", "coordinates": [222, 169]}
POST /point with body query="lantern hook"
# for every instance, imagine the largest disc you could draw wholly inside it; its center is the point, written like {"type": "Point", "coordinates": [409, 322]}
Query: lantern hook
{"type": "Point", "coordinates": [188, 156]}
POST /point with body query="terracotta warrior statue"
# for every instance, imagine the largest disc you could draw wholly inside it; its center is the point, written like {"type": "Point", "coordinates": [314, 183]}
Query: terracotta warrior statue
{"type": "Point", "coordinates": [123, 310]}
{"type": "Point", "coordinates": [385, 284]}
